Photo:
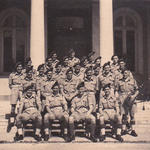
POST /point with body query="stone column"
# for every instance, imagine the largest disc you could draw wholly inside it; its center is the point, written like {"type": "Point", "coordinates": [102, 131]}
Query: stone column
{"type": "Point", "coordinates": [37, 45]}
{"type": "Point", "coordinates": [95, 28]}
{"type": "Point", "coordinates": [106, 29]}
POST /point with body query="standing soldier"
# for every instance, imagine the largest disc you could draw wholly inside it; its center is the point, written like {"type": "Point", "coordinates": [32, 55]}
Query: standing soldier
{"type": "Point", "coordinates": [81, 109]}
{"type": "Point", "coordinates": [98, 61]}
{"type": "Point", "coordinates": [29, 80]}
{"type": "Point", "coordinates": [84, 64]}
{"type": "Point", "coordinates": [56, 107]}
{"type": "Point", "coordinates": [127, 92]}
{"type": "Point", "coordinates": [48, 64]}
{"type": "Point", "coordinates": [77, 72]}
{"type": "Point", "coordinates": [107, 77]}
{"type": "Point", "coordinates": [58, 74]}
{"type": "Point", "coordinates": [72, 59]}
{"type": "Point", "coordinates": [27, 66]}
{"type": "Point", "coordinates": [91, 59]}
{"type": "Point", "coordinates": [115, 64]}
{"type": "Point", "coordinates": [54, 59]}
{"type": "Point", "coordinates": [29, 109]}
{"type": "Point", "coordinates": [46, 87]}
{"type": "Point", "coordinates": [14, 85]}
{"type": "Point", "coordinates": [40, 78]}
{"type": "Point", "coordinates": [91, 85]}
{"type": "Point", "coordinates": [109, 111]}
{"type": "Point", "coordinates": [68, 86]}
{"type": "Point", "coordinates": [65, 66]}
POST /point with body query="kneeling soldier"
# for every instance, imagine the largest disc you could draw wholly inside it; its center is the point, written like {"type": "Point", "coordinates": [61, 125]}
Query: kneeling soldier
{"type": "Point", "coordinates": [82, 108]}
{"type": "Point", "coordinates": [30, 108]}
{"type": "Point", "coordinates": [56, 106]}
{"type": "Point", "coordinates": [109, 111]}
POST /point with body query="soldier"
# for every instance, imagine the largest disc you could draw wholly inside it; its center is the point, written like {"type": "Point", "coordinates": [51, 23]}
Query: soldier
{"type": "Point", "coordinates": [56, 107]}
{"type": "Point", "coordinates": [27, 81]}
{"type": "Point", "coordinates": [91, 59]}
{"type": "Point", "coordinates": [127, 92]}
{"type": "Point", "coordinates": [84, 64]}
{"type": "Point", "coordinates": [81, 109]}
{"type": "Point", "coordinates": [54, 59]}
{"type": "Point", "coordinates": [98, 61]}
{"type": "Point", "coordinates": [58, 74]}
{"type": "Point", "coordinates": [46, 87]}
{"type": "Point", "coordinates": [107, 77]}
{"type": "Point", "coordinates": [91, 85]}
{"type": "Point", "coordinates": [109, 111]}
{"type": "Point", "coordinates": [65, 66]}
{"type": "Point", "coordinates": [48, 64]}
{"type": "Point", "coordinates": [29, 109]}
{"type": "Point", "coordinates": [15, 84]}
{"type": "Point", "coordinates": [77, 72]}
{"type": "Point", "coordinates": [68, 86]}
{"type": "Point", "coordinates": [28, 65]}
{"type": "Point", "coordinates": [115, 64]}
{"type": "Point", "coordinates": [122, 67]}
{"type": "Point", "coordinates": [40, 78]}
{"type": "Point", "coordinates": [72, 59]}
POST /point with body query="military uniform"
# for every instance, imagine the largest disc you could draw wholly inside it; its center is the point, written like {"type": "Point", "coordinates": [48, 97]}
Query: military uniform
{"type": "Point", "coordinates": [68, 89]}
{"type": "Point", "coordinates": [29, 82]}
{"type": "Point", "coordinates": [79, 77]}
{"type": "Point", "coordinates": [109, 111]}
{"type": "Point", "coordinates": [29, 111]}
{"type": "Point", "coordinates": [54, 63]}
{"type": "Point", "coordinates": [91, 86]}
{"type": "Point", "coordinates": [81, 105]}
{"type": "Point", "coordinates": [57, 106]}
{"type": "Point", "coordinates": [126, 88]}
{"type": "Point", "coordinates": [114, 67]}
{"type": "Point", "coordinates": [15, 85]}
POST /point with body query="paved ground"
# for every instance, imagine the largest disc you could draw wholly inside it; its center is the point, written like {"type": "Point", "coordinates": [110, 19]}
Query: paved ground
{"type": "Point", "coordinates": [140, 142]}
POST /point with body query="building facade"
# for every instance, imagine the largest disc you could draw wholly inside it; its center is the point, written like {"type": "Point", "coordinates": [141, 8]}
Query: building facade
{"type": "Point", "coordinates": [36, 27]}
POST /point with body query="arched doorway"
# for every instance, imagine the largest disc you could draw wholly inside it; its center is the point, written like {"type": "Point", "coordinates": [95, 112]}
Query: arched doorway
{"type": "Point", "coordinates": [13, 38]}
{"type": "Point", "coordinates": [128, 37]}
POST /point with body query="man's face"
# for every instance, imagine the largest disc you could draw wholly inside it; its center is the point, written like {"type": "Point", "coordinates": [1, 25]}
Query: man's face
{"type": "Point", "coordinates": [29, 93]}
{"type": "Point", "coordinates": [126, 74]}
{"type": "Point", "coordinates": [115, 59]}
{"type": "Point", "coordinates": [69, 75]}
{"type": "Point", "coordinates": [107, 69]}
{"type": "Point", "coordinates": [122, 64]}
{"type": "Point", "coordinates": [59, 68]}
{"type": "Point", "coordinates": [107, 91]}
{"type": "Point", "coordinates": [66, 61]}
{"type": "Point", "coordinates": [19, 68]}
{"type": "Point", "coordinates": [96, 71]}
{"type": "Point", "coordinates": [77, 68]}
{"type": "Point", "coordinates": [29, 74]}
{"type": "Point", "coordinates": [85, 62]}
{"type": "Point", "coordinates": [98, 61]}
{"type": "Point", "coordinates": [55, 89]}
{"type": "Point", "coordinates": [49, 74]}
{"type": "Point", "coordinates": [81, 90]}
{"type": "Point", "coordinates": [49, 61]}
{"type": "Point", "coordinates": [54, 56]}
{"type": "Point", "coordinates": [41, 71]}
{"type": "Point", "coordinates": [89, 74]}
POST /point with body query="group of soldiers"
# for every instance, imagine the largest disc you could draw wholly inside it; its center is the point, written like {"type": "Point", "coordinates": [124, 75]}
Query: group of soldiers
{"type": "Point", "coordinates": [74, 90]}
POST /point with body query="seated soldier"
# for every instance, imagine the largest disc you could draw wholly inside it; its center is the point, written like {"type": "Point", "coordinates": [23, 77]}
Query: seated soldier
{"type": "Point", "coordinates": [56, 107]}
{"type": "Point", "coordinates": [81, 109]}
{"type": "Point", "coordinates": [109, 111]}
{"type": "Point", "coordinates": [127, 91]}
{"type": "Point", "coordinates": [30, 108]}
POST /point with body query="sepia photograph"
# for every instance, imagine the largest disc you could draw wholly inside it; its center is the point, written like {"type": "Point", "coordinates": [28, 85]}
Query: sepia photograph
{"type": "Point", "coordinates": [75, 74]}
